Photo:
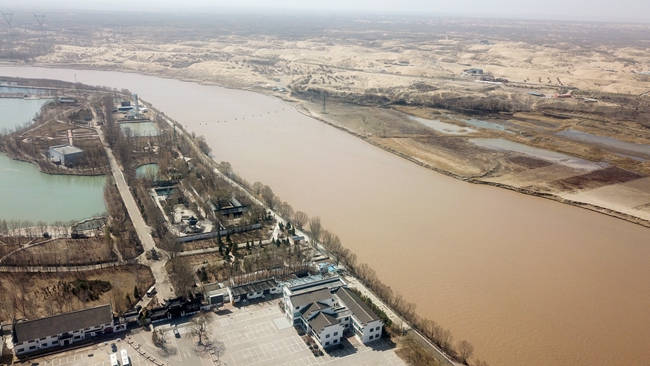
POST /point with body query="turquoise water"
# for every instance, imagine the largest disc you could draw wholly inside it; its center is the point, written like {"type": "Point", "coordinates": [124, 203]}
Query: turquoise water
{"type": "Point", "coordinates": [28, 194]}
{"type": "Point", "coordinates": [16, 112]}
{"type": "Point", "coordinates": [4, 89]}
{"type": "Point", "coordinates": [147, 171]}
{"type": "Point", "coordinates": [140, 128]}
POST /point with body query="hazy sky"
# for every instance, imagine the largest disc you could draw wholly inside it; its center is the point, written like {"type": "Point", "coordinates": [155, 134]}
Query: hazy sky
{"type": "Point", "coordinates": [602, 10]}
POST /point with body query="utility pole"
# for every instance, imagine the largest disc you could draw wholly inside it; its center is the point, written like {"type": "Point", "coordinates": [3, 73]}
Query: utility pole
{"type": "Point", "coordinates": [324, 103]}
{"type": "Point", "coordinates": [40, 19]}
{"type": "Point", "coordinates": [8, 17]}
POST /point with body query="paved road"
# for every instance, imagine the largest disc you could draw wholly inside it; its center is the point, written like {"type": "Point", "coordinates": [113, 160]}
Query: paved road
{"type": "Point", "coordinates": [163, 285]}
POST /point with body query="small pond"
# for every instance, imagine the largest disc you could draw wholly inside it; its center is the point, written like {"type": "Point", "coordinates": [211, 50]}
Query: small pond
{"type": "Point", "coordinates": [442, 127]}
{"type": "Point", "coordinates": [552, 156]}
{"type": "Point", "coordinates": [638, 151]}
{"type": "Point", "coordinates": [149, 171]}
{"type": "Point", "coordinates": [139, 129]}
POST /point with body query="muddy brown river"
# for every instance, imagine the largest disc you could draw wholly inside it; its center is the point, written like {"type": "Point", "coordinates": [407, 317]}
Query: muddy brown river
{"type": "Point", "coordinates": [528, 281]}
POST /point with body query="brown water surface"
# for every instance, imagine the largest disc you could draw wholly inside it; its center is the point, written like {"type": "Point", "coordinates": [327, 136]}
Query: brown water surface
{"type": "Point", "coordinates": [528, 281]}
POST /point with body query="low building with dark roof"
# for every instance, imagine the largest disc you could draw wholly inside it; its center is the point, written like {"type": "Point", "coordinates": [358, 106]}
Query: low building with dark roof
{"type": "Point", "coordinates": [63, 329]}
{"type": "Point", "coordinates": [253, 290]}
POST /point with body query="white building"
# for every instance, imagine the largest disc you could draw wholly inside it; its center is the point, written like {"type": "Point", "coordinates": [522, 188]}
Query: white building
{"type": "Point", "coordinates": [63, 329]}
{"type": "Point", "coordinates": [326, 309]}
{"type": "Point", "coordinates": [65, 154]}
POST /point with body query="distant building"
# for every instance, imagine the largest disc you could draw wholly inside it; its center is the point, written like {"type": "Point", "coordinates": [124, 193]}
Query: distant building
{"type": "Point", "coordinates": [473, 71]}
{"type": "Point", "coordinates": [66, 154]}
{"type": "Point", "coordinates": [67, 101]}
{"type": "Point", "coordinates": [232, 208]}
{"type": "Point", "coordinates": [64, 329]}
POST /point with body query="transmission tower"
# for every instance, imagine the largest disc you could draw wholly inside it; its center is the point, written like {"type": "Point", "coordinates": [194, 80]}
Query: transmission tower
{"type": "Point", "coordinates": [40, 19]}
{"type": "Point", "coordinates": [8, 17]}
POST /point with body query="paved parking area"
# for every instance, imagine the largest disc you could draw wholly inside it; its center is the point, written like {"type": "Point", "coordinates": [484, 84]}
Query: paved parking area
{"type": "Point", "coordinates": [95, 355]}
{"type": "Point", "coordinates": [257, 334]}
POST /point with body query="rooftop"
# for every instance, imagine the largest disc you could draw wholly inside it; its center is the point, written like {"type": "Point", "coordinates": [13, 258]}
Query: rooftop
{"type": "Point", "coordinates": [253, 287]}
{"type": "Point", "coordinates": [62, 323]}
{"type": "Point", "coordinates": [359, 308]}
{"type": "Point", "coordinates": [66, 149]}
{"type": "Point", "coordinates": [311, 297]}
{"type": "Point", "coordinates": [322, 320]}
{"type": "Point", "coordinates": [314, 306]}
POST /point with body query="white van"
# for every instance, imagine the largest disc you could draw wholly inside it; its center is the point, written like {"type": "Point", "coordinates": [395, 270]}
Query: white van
{"type": "Point", "coordinates": [114, 360]}
{"type": "Point", "coordinates": [125, 358]}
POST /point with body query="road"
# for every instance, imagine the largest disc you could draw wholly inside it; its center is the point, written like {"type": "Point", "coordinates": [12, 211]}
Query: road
{"type": "Point", "coordinates": [163, 285]}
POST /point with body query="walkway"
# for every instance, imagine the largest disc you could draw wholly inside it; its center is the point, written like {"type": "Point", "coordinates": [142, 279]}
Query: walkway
{"type": "Point", "coordinates": [141, 228]}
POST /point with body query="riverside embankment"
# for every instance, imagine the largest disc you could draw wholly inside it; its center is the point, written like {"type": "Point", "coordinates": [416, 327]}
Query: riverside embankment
{"type": "Point", "coordinates": [526, 280]}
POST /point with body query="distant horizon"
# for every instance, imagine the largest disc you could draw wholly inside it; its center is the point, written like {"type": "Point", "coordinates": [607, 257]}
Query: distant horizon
{"type": "Point", "coordinates": [635, 11]}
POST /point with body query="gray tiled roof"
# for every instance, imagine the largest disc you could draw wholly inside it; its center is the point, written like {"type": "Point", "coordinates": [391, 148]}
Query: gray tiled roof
{"type": "Point", "coordinates": [310, 297]}
{"type": "Point", "coordinates": [53, 325]}
{"type": "Point", "coordinates": [312, 307]}
{"type": "Point", "coordinates": [321, 321]}
{"type": "Point", "coordinates": [359, 308]}
{"type": "Point", "coordinates": [253, 287]}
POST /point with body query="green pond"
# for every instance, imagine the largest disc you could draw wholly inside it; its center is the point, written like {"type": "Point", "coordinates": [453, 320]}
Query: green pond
{"type": "Point", "coordinates": [28, 194]}
{"type": "Point", "coordinates": [147, 171]}
{"type": "Point", "coordinates": [139, 128]}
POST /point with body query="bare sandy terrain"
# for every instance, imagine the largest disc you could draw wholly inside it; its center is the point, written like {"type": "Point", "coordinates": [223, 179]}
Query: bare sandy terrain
{"type": "Point", "coordinates": [409, 66]}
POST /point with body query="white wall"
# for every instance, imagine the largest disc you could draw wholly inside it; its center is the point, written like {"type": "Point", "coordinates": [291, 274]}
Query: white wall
{"type": "Point", "coordinates": [331, 335]}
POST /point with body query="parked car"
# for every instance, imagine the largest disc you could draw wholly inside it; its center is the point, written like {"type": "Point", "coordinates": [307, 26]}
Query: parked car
{"type": "Point", "coordinates": [176, 334]}
{"type": "Point", "coordinates": [151, 292]}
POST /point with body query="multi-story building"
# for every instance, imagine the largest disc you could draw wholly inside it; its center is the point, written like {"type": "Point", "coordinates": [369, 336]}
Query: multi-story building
{"type": "Point", "coordinates": [326, 309]}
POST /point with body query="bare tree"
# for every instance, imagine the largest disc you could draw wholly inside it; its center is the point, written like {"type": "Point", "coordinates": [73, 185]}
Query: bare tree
{"type": "Point", "coordinates": [257, 188]}
{"type": "Point", "coordinates": [315, 228]}
{"type": "Point", "coordinates": [465, 350]}
{"type": "Point", "coordinates": [269, 198]}
{"type": "Point", "coordinates": [300, 219]}
{"type": "Point", "coordinates": [199, 326]}
{"type": "Point", "coordinates": [181, 276]}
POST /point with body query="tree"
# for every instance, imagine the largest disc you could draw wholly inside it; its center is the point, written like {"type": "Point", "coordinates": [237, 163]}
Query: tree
{"type": "Point", "coordinates": [315, 229]}
{"type": "Point", "coordinates": [158, 338]}
{"type": "Point", "coordinates": [268, 197]}
{"type": "Point", "coordinates": [465, 350]}
{"type": "Point", "coordinates": [181, 276]}
{"type": "Point", "coordinates": [199, 325]}
{"type": "Point", "coordinates": [136, 292]}
{"type": "Point", "coordinates": [300, 219]}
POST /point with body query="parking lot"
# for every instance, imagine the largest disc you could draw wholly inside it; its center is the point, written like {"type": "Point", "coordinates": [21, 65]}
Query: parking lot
{"type": "Point", "coordinates": [257, 334]}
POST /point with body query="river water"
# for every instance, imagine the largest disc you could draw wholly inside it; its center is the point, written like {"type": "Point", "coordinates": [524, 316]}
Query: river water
{"type": "Point", "coordinates": [528, 281]}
